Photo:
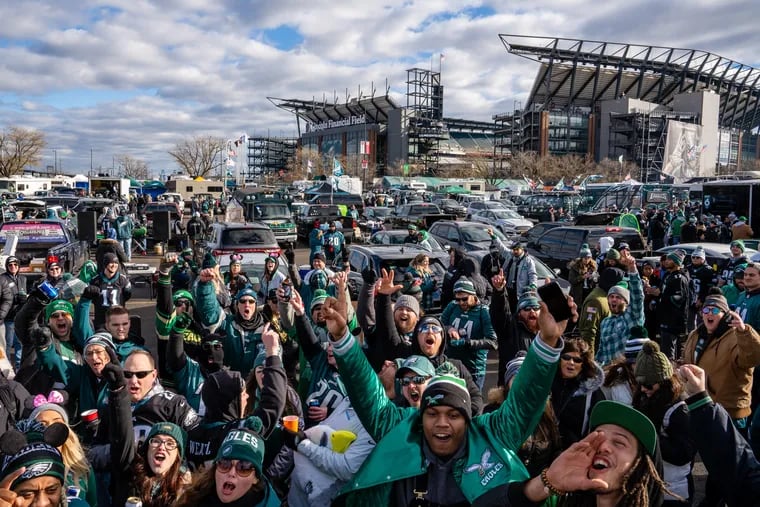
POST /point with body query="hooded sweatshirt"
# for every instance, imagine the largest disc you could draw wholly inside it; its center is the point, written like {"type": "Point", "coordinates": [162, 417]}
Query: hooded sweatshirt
{"type": "Point", "coordinates": [572, 401]}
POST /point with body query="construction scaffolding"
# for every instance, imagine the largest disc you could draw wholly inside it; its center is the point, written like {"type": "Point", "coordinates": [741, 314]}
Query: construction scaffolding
{"type": "Point", "coordinates": [269, 155]}
{"type": "Point", "coordinates": [424, 104]}
{"type": "Point", "coordinates": [640, 137]}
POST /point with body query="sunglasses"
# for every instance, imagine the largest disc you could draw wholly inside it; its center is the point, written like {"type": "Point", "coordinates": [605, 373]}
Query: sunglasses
{"type": "Point", "coordinates": [247, 301]}
{"type": "Point", "coordinates": [648, 387]}
{"type": "Point", "coordinates": [462, 299]}
{"type": "Point", "coordinates": [242, 468]}
{"type": "Point", "coordinates": [707, 310]}
{"type": "Point", "coordinates": [430, 328]}
{"type": "Point", "coordinates": [182, 302]}
{"type": "Point", "coordinates": [169, 445]}
{"type": "Point", "coordinates": [215, 345]}
{"type": "Point", "coordinates": [529, 308]}
{"type": "Point", "coordinates": [417, 380]}
{"type": "Point", "coordinates": [138, 374]}
{"type": "Point", "coordinates": [568, 357]}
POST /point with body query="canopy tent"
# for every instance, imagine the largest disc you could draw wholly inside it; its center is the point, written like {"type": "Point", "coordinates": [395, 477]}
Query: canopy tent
{"type": "Point", "coordinates": [133, 183]}
{"type": "Point", "coordinates": [454, 189]}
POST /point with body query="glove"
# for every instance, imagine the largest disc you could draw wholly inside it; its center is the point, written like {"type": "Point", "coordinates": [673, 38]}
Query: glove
{"type": "Point", "coordinates": [114, 376]}
{"type": "Point", "coordinates": [165, 267]}
{"type": "Point", "coordinates": [91, 292]}
{"type": "Point", "coordinates": [369, 276]}
{"type": "Point", "coordinates": [182, 322]}
{"type": "Point", "coordinates": [291, 439]}
{"type": "Point", "coordinates": [42, 337]}
{"type": "Point", "coordinates": [290, 255]}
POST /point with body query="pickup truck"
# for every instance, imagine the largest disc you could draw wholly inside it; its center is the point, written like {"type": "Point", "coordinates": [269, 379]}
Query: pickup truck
{"type": "Point", "coordinates": [325, 213]}
{"type": "Point", "coordinates": [276, 215]}
{"type": "Point", "coordinates": [40, 239]}
{"type": "Point", "coordinates": [423, 215]}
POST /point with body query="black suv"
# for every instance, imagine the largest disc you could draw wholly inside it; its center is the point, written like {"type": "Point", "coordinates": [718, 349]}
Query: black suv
{"type": "Point", "coordinates": [469, 236]}
{"type": "Point", "coordinates": [560, 245]}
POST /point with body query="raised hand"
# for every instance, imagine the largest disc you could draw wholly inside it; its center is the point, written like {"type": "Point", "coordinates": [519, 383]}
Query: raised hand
{"type": "Point", "coordinates": [694, 379]}
{"type": "Point", "coordinates": [498, 281]}
{"type": "Point", "coordinates": [387, 286]}
{"type": "Point", "coordinates": [206, 275]}
{"type": "Point", "coordinates": [271, 340]}
{"type": "Point", "coordinates": [296, 303]}
{"type": "Point", "coordinates": [569, 471]}
{"type": "Point", "coordinates": [334, 312]}
{"type": "Point", "coordinates": [7, 495]}
{"type": "Point", "coordinates": [550, 329]}
{"type": "Point", "coordinates": [167, 263]}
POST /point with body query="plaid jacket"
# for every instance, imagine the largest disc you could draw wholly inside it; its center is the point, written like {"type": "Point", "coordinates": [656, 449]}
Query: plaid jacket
{"type": "Point", "coordinates": [615, 329]}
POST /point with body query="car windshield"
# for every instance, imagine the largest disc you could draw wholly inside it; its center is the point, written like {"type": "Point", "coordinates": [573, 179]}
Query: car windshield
{"type": "Point", "coordinates": [381, 212]}
{"type": "Point", "coordinates": [478, 233]}
{"type": "Point", "coordinates": [422, 209]}
{"type": "Point", "coordinates": [270, 211]}
{"type": "Point", "coordinates": [449, 202]}
{"type": "Point", "coordinates": [505, 213]}
{"type": "Point", "coordinates": [246, 237]}
{"type": "Point", "coordinates": [494, 205]}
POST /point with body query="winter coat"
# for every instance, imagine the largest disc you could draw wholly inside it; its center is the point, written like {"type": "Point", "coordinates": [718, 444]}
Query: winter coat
{"type": "Point", "coordinates": [114, 291]}
{"type": "Point", "coordinates": [748, 306]}
{"type": "Point", "coordinates": [728, 359]}
{"type": "Point", "coordinates": [725, 453]}
{"type": "Point", "coordinates": [512, 335]}
{"type": "Point", "coordinates": [578, 281]}
{"type": "Point", "coordinates": [572, 401]}
{"type": "Point", "coordinates": [595, 309]}
{"type": "Point", "coordinates": [13, 397]}
{"type": "Point", "coordinates": [242, 340]}
{"type": "Point", "coordinates": [453, 273]}
{"type": "Point", "coordinates": [615, 329]}
{"type": "Point", "coordinates": [520, 273]}
{"type": "Point", "coordinates": [492, 440]}
{"type": "Point", "coordinates": [741, 230]}
{"type": "Point", "coordinates": [319, 472]}
{"type": "Point", "coordinates": [10, 303]}
{"type": "Point", "coordinates": [476, 331]}
{"type": "Point", "coordinates": [674, 301]}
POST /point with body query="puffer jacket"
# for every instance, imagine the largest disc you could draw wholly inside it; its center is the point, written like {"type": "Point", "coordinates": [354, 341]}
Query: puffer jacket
{"type": "Point", "coordinates": [572, 401]}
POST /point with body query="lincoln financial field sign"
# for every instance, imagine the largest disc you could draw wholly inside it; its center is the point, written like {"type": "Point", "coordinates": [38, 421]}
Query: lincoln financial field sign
{"type": "Point", "coordinates": [331, 124]}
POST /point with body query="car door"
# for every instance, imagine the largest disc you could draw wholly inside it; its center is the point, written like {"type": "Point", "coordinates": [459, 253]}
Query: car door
{"type": "Point", "coordinates": [357, 260]}
{"type": "Point", "coordinates": [548, 246]}
{"type": "Point", "coordinates": [454, 237]}
{"type": "Point", "coordinates": [440, 231]}
{"type": "Point", "coordinates": [571, 245]}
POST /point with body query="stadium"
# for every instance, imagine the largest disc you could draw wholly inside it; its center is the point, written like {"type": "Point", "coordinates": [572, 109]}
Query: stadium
{"type": "Point", "coordinates": [675, 113]}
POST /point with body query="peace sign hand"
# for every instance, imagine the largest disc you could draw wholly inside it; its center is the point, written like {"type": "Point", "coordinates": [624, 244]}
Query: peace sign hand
{"type": "Point", "coordinates": [8, 496]}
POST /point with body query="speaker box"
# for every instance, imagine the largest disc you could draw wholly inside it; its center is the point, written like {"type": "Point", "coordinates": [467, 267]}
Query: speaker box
{"type": "Point", "coordinates": [87, 223]}
{"type": "Point", "coordinates": [162, 225]}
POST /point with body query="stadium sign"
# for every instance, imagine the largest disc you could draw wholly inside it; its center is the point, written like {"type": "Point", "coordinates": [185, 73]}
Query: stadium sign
{"type": "Point", "coordinates": [331, 124]}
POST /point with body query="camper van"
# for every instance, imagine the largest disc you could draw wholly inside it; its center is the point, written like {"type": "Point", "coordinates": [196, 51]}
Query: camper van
{"type": "Point", "coordinates": [26, 185]}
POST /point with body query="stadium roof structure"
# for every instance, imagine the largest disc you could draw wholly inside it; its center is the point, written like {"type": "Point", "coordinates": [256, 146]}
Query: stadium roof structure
{"type": "Point", "coordinates": [579, 73]}
{"type": "Point", "coordinates": [312, 111]}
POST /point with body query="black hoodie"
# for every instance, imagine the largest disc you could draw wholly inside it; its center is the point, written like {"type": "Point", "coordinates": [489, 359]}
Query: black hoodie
{"type": "Point", "coordinates": [452, 275]}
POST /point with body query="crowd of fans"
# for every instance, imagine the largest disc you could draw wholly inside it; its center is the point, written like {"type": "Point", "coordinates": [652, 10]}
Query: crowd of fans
{"type": "Point", "coordinates": [276, 389]}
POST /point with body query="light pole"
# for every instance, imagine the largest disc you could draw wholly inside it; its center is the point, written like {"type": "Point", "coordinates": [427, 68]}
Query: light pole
{"type": "Point", "coordinates": [90, 161]}
{"type": "Point", "coordinates": [55, 161]}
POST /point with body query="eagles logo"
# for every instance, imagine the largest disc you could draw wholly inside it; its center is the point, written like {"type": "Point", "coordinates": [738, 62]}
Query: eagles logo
{"type": "Point", "coordinates": [37, 470]}
{"type": "Point", "coordinates": [483, 466]}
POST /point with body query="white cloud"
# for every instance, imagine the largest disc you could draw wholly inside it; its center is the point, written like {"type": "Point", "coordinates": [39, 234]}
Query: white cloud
{"type": "Point", "coordinates": [137, 76]}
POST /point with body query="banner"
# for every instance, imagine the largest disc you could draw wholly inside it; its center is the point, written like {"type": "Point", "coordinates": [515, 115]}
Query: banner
{"type": "Point", "coordinates": [683, 152]}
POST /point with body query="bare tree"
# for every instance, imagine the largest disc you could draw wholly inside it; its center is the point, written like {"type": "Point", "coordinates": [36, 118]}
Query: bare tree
{"type": "Point", "coordinates": [199, 156]}
{"type": "Point", "coordinates": [132, 167]}
{"type": "Point", "coordinates": [19, 148]}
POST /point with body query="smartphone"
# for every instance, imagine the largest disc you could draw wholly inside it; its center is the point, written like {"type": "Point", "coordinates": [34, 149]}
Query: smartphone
{"type": "Point", "coordinates": [555, 300]}
{"type": "Point", "coordinates": [287, 291]}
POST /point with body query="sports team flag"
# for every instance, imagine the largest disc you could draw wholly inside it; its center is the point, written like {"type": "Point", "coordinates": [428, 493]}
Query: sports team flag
{"type": "Point", "coordinates": [443, 57]}
{"type": "Point", "coordinates": [337, 168]}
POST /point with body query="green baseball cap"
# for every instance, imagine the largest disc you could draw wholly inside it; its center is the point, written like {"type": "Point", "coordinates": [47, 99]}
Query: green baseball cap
{"type": "Point", "coordinates": [612, 412]}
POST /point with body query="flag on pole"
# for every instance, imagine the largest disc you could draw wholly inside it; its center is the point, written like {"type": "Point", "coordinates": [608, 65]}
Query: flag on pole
{"type": "Point", "coordinates": [620, 159]}
{"type": "Point", "coordinates": [309, 166]}
{"type": "Point", "coordinates": [337, 168]}
{"type": "Point", "coordinates": [443, 57]}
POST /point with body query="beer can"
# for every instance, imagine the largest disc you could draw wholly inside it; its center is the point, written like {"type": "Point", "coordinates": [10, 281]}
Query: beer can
{"type": "Point", "coordinates": [49, 291]}
{"type": "Point", "coordinates": [72, 492]}
{"type": "Point", "coordinates": [314, 403]}
{"type": "Point", "coordinates": [133, 501]}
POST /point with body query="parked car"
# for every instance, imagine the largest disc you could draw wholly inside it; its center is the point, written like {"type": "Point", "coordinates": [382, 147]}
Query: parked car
{"type": "Point", "coordinates": [254, 241]}
{"type": "Point", "coordinates": [391, 258]}
{"type": "Point", "coordinates": [505, 220]}
{"type": "Point", "coordinates": [325, 213]}
{"type": "Point", "coordinates": [396, 237]}
{"type": "Point", "coordinates": [543, 271]}
{"type": "Point", "coordinates": [467, 235]}
{"type": "Point", "coordinates": [419, 214]}
{"type": "Point", "coordinates": [560, 245]}
{"type": "Point", "coordinates": [532, 234]}
{"type": "Point", "coordinates": [451, 206]}
{"type": "Point", "coordinates": [476, 206]}
{"type": "Point", "coordinates": [373, 218]}
{"type": "Point", "coordinates": [715, 253]}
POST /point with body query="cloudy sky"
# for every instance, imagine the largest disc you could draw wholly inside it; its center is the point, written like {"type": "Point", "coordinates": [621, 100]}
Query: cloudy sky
{"type": "Point", "coordinates": [135, 77]}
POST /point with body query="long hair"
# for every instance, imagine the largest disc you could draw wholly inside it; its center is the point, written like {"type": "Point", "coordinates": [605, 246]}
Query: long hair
{"type": "Point", "coordinates": [171, 484]}
{"type": "Point", "coordinates": [74, 458]}
{"type": "Point", "coordinates": [618, 372]}
{"type": "Point", "coordinates": [417, 264]}
{"type": "Point", "coordinates": [642, 487]}
{"type": "Point", "coordinates": [204, 485]}
{"type": "Point", "coordinates": [588, 367]}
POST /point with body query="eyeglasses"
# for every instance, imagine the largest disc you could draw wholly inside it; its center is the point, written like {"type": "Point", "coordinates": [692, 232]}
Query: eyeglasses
{"type": "Point", "coordinates": [182, 302]}
{"type": "Point", "coordinates": [430, 328]}
{"type": "Point", "coordinates": [417, 380]}
{"type": "Point", "coordinates": [212, 345]}
{"type": "Point", "coordinates": [462, 299]}
{"type": "Point", "coordinates": [707, 310]}
{"type": "Point", "coordinates": [138, 374]}
{"type": "Point", "coordinates": [169, 445]}
{"type": "Point", "coordinates": [243, 468]}
{"type": "Point", "coordinates": [93, 351]}
{"type": "Point", "coordinates": [568, 357]}
{"type": "Point", "coordinates": [528, 308]}
{"type": "Point", "coordinates": [247, 301]}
